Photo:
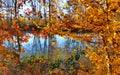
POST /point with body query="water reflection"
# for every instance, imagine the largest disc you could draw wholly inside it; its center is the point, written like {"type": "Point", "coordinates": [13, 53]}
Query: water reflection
{"type": "Point", "coordinates": [52, 42]}
{"type": "Point", "coordinates": [40, 45]}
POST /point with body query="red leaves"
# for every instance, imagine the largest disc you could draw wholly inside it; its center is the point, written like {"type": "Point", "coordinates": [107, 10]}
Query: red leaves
{"type": "Point", "coordinates": [1, 32]}
{"type": "Point", "coordinates": [2, 48]}
{"type": "Point", "coordinates": [26, 27]}
{"type": "Point", "coordinates": [25, 39]}
{"type": "Point", "coordinates": [44, 34]}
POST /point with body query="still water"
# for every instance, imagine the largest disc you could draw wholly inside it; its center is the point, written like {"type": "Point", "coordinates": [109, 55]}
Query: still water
{"type": "Point", "coordinates": [40, 45]}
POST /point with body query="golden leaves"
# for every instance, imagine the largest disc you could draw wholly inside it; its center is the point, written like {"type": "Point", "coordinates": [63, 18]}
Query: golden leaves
{"type": "Point", "coordinates": [110, 39]}
{"type": "Point", "coordinates": [90, 16]}
{"type": "Point", "coordinates": [79, 1]}
{"type": "Point", "coordinates": [76, 18]}
{"type": "Point", "coordinates": [115, 34]}
{"type": "Point", "coordinates": [117, 70]}
{"type": "Point", "coordinates": [108, 27]}
{"type": "Point", "coordinates": [113, 0]}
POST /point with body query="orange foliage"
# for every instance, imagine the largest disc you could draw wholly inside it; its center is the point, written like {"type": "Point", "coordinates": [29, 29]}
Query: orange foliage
{"type": "Point", "coordinates": [100, 17]}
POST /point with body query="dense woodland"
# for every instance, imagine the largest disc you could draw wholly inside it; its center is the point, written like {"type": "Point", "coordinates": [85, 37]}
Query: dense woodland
{"type": "Point", "coordinates": [93, 19]}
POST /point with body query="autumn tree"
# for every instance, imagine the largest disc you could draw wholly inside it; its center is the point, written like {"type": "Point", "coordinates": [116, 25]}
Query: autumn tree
{"type": "Point", "coordinates": [100, 17]}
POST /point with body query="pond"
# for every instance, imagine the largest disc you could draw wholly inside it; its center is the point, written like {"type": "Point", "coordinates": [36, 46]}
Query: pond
{"type": "Point", "coordinates": [43, 46]}
{"type": "Point", "coordinates": [46, 54]}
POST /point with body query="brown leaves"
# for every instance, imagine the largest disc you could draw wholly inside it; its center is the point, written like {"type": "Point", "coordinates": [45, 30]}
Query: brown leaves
{"type": "Point", "coordinates": [3, 49]}
{"type": "Point", "coordinates": [3, 53]}
{"type": "Point", "coordinates": [80, 72]}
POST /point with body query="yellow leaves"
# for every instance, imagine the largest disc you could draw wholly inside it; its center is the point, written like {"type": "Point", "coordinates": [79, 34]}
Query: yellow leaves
{"type": "Point", "coordinates": [55, 1]}
{"type": "Point", "coordinates": [115, 34]}
{"type": "Point", "coordinates": [108, 27]}
{"type": "Point", "coordinates": [100, 11]}
{"type": "Point", "coordinates": [37, 25]}
{"type": "Point", "coordinates": [67, 6]}
{"type": "Point", "coordinates": [79, 1]}
{"type": "Point", "coordinates": [76, 18]}
{"type": "Point", "coordinates": [14, 21]}
{"type": "Point", "coordinates": [116, 69]}
{"type": "Point", "coordinates": [110, 39]}
{"type": "Point", "coordinates": [22, 19]}
{"type": "Point", "coordinates": [94, 56]}
{"type": "Point", "coordinates": [113, 0]}
{"type": "Point", "coordinates": [89, 7]}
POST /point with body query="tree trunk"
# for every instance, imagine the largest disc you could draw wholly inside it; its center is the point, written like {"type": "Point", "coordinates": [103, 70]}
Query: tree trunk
{"type": "Point", "coordinates": [17, 34]}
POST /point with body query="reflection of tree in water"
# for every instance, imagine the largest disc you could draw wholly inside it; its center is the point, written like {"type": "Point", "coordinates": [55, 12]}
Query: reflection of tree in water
{"type": "Point", "coordinates": [44, 46]}
{"type": "Point", "coordinates": [52, 44]}
{"type": "Point", "coordinates": [71, 44]}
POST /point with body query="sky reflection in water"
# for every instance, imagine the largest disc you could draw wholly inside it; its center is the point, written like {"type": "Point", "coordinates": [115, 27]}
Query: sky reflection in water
{"type": "Point", "coordinates": [40, 45]}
